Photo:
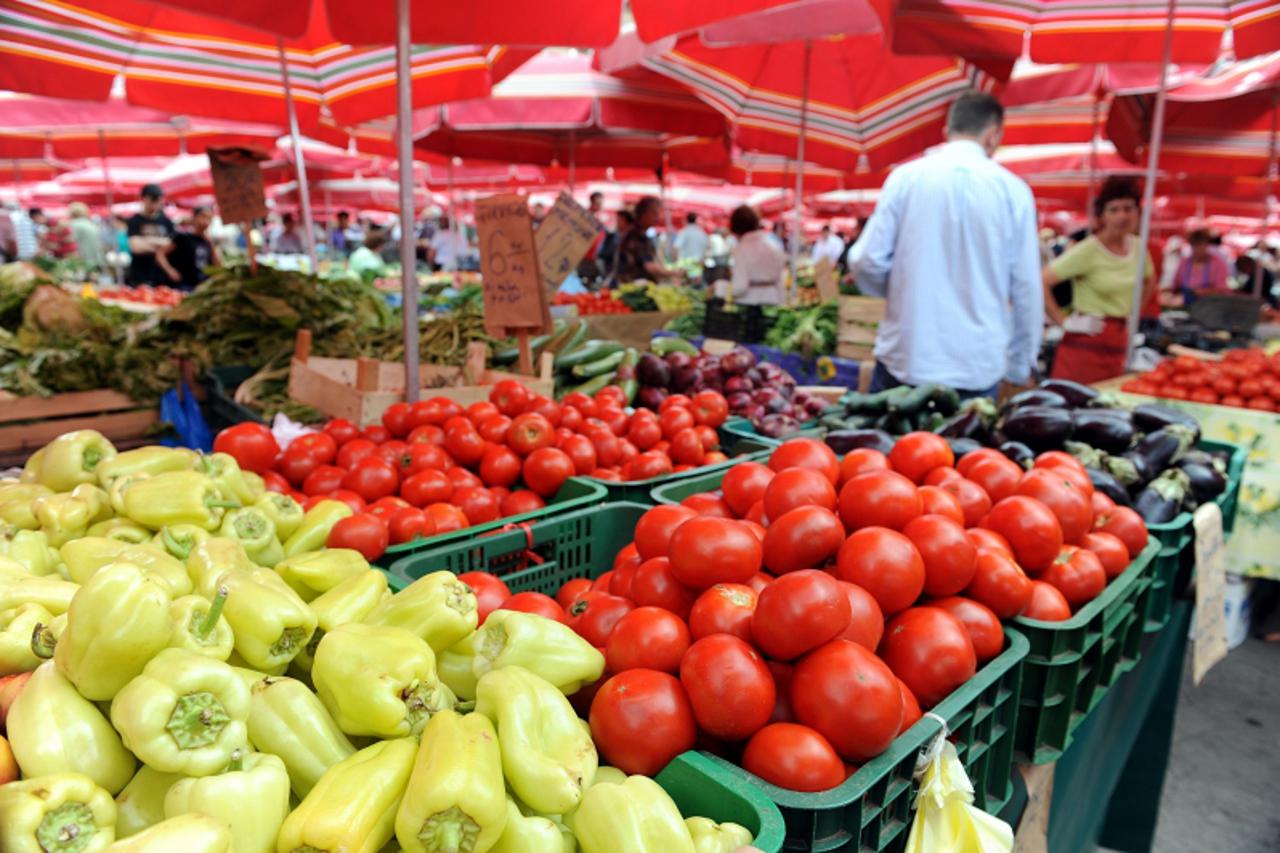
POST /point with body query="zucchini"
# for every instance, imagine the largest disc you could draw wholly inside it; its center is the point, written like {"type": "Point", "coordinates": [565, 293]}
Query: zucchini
{"type": "Point", "coordinates": [575, 334]}
{"type": "Point", "coordinates": [559, 331]}
{"type": "Point", "coordinates": [945, 399]}
{"type": "Point", "coordinates": [669, 344]}
{"type": "Point", "coordinates": [608, 364]}
{"type": "Point", "coordinates": [857, 403]}
{"type": "Point", "coordinates": [591, 386]}
{"type": "Point", "coordinates": [909, 401]}
{"type": "Point", "coordinates": [592, 350]}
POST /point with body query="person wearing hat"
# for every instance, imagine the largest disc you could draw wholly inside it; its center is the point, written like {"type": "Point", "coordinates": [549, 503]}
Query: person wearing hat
{"type": "Point", "coordinates": [85, 234]}
{"type": "Point", "coordinates": [149, 231]}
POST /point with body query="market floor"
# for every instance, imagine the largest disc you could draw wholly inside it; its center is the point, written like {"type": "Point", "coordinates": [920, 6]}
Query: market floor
{"type": "Point", "coordinates": [1220, 793]}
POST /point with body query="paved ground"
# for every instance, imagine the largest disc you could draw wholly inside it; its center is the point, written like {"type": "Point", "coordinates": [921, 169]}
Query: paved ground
{"type": "Point", "coordinates": [1224, 774]}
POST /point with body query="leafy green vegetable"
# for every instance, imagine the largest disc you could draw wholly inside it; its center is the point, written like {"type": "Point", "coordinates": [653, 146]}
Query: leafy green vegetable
{"type": "Point", "coordinates": [810, 331]}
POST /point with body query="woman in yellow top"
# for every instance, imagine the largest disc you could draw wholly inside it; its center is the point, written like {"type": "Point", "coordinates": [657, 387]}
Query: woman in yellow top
{"type": "Point", "coordinates": [1101, 268]}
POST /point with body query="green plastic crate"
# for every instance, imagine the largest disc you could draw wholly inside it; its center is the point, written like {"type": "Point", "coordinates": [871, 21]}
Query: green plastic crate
{"type": "Point", "coordinates": [1176, 560]}
{"type": "Point", "coordinates": [221, 408]}
{"type": "Point", "coordinates": [743, 429]}
{"type": "Point", "coordinates": [701, 788]}
{"type": "Point", "coordinates": [1071, 664]}
{"type": "Point", "coordinates": [640, 491]}
{"type": "Point", "coordinates": [674, 493]}
{"type": "Point", "coordinates": [873, 806]}
{"type": "Point", "coordinates": [576, 492]}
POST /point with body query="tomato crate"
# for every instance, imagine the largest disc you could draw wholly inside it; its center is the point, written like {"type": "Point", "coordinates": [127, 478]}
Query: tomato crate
{"type": "Point", "coordinates": [576, 492]}
{"type": "Point", "coordinates": [640, 491]}
{"type": "Point", "coordinates": [743, 429]}
{"type": "Point", "coordinates": [220, 392]}
{"type": "Point", "coordinates": [1177, 557]}
{"type": "Point", "coordinates": [1072, 664]}
{"type": "Point", "coordinates": [872, 809]}
{"type": "Point", "coordinates": [701, 787]}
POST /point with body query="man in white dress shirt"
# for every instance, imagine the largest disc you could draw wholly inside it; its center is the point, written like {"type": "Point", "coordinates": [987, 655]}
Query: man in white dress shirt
{"type": "Point", "coordinates": [953, 248]}
{"type": "Point", "coordinates": [691, 241]}
{"type": "Point", "coordinates": [828, 246]}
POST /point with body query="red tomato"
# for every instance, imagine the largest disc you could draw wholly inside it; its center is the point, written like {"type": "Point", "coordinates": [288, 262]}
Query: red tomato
{"type": "Point", "coordinates": [535, 602]}
{"type": "Point", "coordinates": [997, 476]}
{"type": "Point", "coordinates": [1000, 584]}
{"type": "Point", "coordinates": [296, 466]}
{"type": "Point", "coordinates": [405, 525]}
{"type": "Point", "coordinates": [1125, 524]}
{"type": "Point", "coordinates": [548, 408]}
{"type": "Point", "coordinates": [850, 697]}
{"type": "Point", "coordinates": [647, 638]}
{"type": "Point", "coordinates": [581, 402]}
{"type": "Point", "coordinates": [708, 503]}
{"type": "Point", "coordinates": [1030, 527]}
{"type": "Point", "coordinates": [490, 592]}
{"type": "Point", "coordinates": [529, 432]}
{"type": "Point", "coordinates": [1078, 575]}
{"type": "Point", "coordinates": [654, 585]}
{"type": "Point", "coordinates": [806, 453]}
{"type": "Point", "coordinates": [911, 712]}
{"type": "Point", "coordinates": [520, 502]}
{"type": "Point", "coordinates": [644, 433]}
{"type": "Point", "coordinates": [372, 478]}
{"type": "Point", "coordinates": [675, 419]}
{"type": "Point", "coordinates": [388, 505]}
{"type": "Point", "coordinates": [355, 450]}
{"type": "Point", "coordinates": [938, 476]}
{"type": "Point", "coordinates": [1101, 504]}
{"type": "Point", "coordinates": [480, 411]}
{"type": "Point", "coordinates": [950, 558]}
{"type": "Point", "coordinates": [446, 518]}
{"type": "Point", "coordinates": [477, 503]}
{"type": "Point", "coordinates": [1053, 488]}
{"type": "Point", "coordinates": [571, 590]}
{"type": "Point", "coordinates": [650, 464]}
{"type": "Point", "coordinates": [252, 445]}
{"type": "Point", "coordinates": [426, 434]}
{"type": "Point", "coordinates": [866, 620]}
{"type": "Point", "coordinates": [675, 400]}
{"type": "Point", "coordinates": [500, 466]}
{"type": "Point", "coordinates": [861, 460]}
{"type": "Point", "coordinates": [362, 532]}
{"type": "Point", "coordinates": [323, 480]}
{"type": "Point", "coordinates": [495, 429]}
{"type": "Point", "coordinates": [602, 583]}
{"type": "Point", "coordinates": [546, 469]}
{"type": "Point", "coordinates": [655, 528]}
{"type": "Point", "coordinates": [641, 719]}
{"type": "Point", "coordinates": [1046, 604]}
{"type": "Point", "coordinates": [793, 757]}
{"type": "Point", "coordinates": [725, 608]}
{"type": "Point", "coordinates": [973, 500]}
{"type": "Point", "coordinates": [935, 500]}
{"type": "Point", "coordinates": [983, 538]}
{"type": "Point", "coordinates": [797, 487]}
{"type": "Point", "coordinates": [1060, 459]}
{"type": "Point", "coordinates": [729, 686]}
{"type": "Point", "coordinates": [686, 447]}
{"type": "Point", "coordinates": [705, 551]}
{"type": "Point", "coordinates": [596, 614]}
{"type": "Point", "coordinates": [376, 433]}
{"type": "Point", "coordinates": [1110, 551]}
{"type": "Point", "coordinates": [930, 650]}
{"type": "Point", "coordinates": [879, 499]}
{"type": "Point", "coordinates": [710, 408]}
{"type": "Point", "coordinates": [426, 487]}
{"type": "Point", "coordinates": [802, 538]}
{"type": "Point", "coordinates": [759, 582]}
{"type": "Point", "coordinates": [509, 396]}
{"type": "Point", "coordinates": [915, 454]}
{"type": "Point", "coordinates": [980, 621]}
{"type": "Point", "coordinates": [341, 430]}
{"type": "Point", "coordinates": [744, 484]}
{"type": "Point", "coordinates": [799, 612]}
{"type": "Point", "coordinates": [349, 498]}
{"type": "Point", "coordinates": [885, 564]}
{"type": "Point", "coordinates": [464, 444]}
{"type": "Point", "coordinates": [321, 445]}
{"type": "Point", "coordinates": [273, 482]}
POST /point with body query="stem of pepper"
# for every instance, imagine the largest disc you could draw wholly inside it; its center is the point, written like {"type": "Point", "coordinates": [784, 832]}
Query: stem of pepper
{"type": "Point", "coordinates": [237, 761]}
{"type": "Point", "coordinates": [210, 621]}
{"type": "Point", "coordinates": [68, 827]}
{"type": "Point", "coordinates": [43, 641]}
{"type": "Point", "coordinates": [173, 545]}
{"type": "Point", "coordinates": [92, 456]}
{"type": "Point", "coordinates": [451, 829]}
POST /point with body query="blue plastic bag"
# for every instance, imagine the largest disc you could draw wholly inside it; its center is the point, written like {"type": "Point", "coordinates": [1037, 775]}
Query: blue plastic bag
{"type": "Point", "coordinates": [180, 408]}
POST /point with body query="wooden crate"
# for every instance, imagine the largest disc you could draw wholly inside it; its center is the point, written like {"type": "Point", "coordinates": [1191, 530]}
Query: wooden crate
{"type": "Point", "coordinates": [860, 316]}
{"type": "Point", "coordinates": [360, 390]}
{"type": "Point", "coordinates": [631, 330]}
{"type": "Point", "coordinates": [29, 423]}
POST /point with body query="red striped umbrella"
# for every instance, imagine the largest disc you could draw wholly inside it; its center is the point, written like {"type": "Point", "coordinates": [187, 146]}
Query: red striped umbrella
{"type": "Point", "coordinates": [1085, 30]}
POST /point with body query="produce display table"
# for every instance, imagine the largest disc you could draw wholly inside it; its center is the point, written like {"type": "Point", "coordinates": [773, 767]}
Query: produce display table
{"type": "Point", "coordinates": [823, 370]}
{"type": "Point", "coordinates": [1107, 785]}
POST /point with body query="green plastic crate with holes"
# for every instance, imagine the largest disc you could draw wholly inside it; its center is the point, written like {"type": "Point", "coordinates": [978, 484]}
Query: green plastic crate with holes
{"type": "Point", "coordinates": [1174, 563]}
{"type": "Point", "coordinates": [871, 810]}
{"type": "Point", "coordinates": [1071, 664]}
{"type": "Point", "coordinates": [742, 428]}
{"type": "Point", "coordinates": [702, 788]}
{"type": "Point", "coordinates": [220, 404]}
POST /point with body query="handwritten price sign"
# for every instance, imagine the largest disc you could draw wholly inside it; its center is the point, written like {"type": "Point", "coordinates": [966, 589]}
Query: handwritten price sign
{"type": "Point", "coordinates": [565, 235]}
{"type": "Point", "coordinates": [514, 298]}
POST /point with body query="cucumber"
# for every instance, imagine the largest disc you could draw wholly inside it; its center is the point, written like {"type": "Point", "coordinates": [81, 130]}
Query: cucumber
{"type": "Point", "coordinates": [666, 345]}
{"type": "Point", "coordinates": [608, 364]}
{"type": "Point", "coordinates": [591, 386]}
{"type": "Point", "coordinates": [559, 330]}
{"type": "Point", "coordinates": [576, 333]}
{"type": "Point", "coordinates": [592, 350]}
{"type": "Point", "coordinates": [509, 355]}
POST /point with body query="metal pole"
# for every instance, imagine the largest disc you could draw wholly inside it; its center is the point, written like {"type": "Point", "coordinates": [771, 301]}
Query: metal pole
{"type": "Point", "coordinates": [453, 227]}
{"type": "Point", "coordinates": [1270, 185]}
{"type": "Point", "coordinates": [1093, 151]}
{"type": "Point", "coordinates": [804, 124]}
{"type": "Point", "coordinates": [404, 147]}
{"type": "Point", "coordinates": [106, 183]}
{"type": "Point", "coordinates": [299, 161]}
{"type": "Point", "coordinates": [666, 211]}
{"type": "Point", "coordinates": [1149, 192]}
{"type": "Point", "coordinates": [572, 154]}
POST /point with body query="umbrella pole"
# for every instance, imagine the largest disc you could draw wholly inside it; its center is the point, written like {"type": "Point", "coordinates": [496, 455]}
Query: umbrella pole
{"type": "Point", "coordinates": [666, 211]}
{"type": "Point", "coordinates": [1270, 185]}
{"type": "Point", "coordinates": [572, 155]}
{"type": "Point", "coordinates": [299, 161]}
{"type": "Point", "coordinates": [1095, 126]}
{"type": "Point", "coordinates": [804, 124]}
{"type": "Point", "coordinates": [1149, 191]}
{"type": "Point", "coordinates": [453, 225]}
{"type": "Point", "coordinates": [408, 255]}
{"type": "Point", "coordinates": [106, 182]}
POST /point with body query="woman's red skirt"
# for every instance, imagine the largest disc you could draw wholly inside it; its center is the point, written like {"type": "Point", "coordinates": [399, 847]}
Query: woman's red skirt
{"type": "Point", "coordinates": [1092, 358]}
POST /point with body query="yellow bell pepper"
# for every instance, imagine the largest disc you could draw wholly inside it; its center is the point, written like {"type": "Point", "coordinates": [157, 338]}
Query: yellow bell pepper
{"type": "Point", "coordinates": [30, 548]}
{"type": "Point", "coordinates": [57, 813]}
{"type": "Point", "coordinates": [251, 797]}
{"type": "Point", "coordinates": [120, 529]}
{"type": "Point", "coordinates": [62, 517]}
{"type": "Point", "coordinates": [378, 681]}
{"type": "Point", "coordinates": [84, 557]}
{"type": "Point", "coordinates": [16, 627]}
{"type": "Point", "coordinates": [547, 752]}
{"type": "Point", "coordinates": [528, 833]}
{"type": "Point", "coordinates": [176, 497]}
{"type": "Point", "coordinates": [224, 471]}
{"type": "Point", "coordinates": [438, 607]}
{"type": "Point", "coordinates": [353, 807]}
{"type": "Point", "coordinates": [548, 649]}
{"type": "Point", "coordinates": [145, 460]}
{"type": "Point", "coordinates": [313, 533]}
{"type": "Point", "coordinates": [141, 804]}
{"type": "Point", "coordinates": [711, 837]}
{"type": "Point", "coordinates": [189, 833]}
{"type": "Point", "coordinates": [288, 720]}
{"type": "Point", "coordinates": [198, 626]}
{"type": "Point", "coordinates": [635, 815]}
{"type": "Point", "coordinates": [284, 512]}
{"type": "Point", "coordinates": [120, 485]}
{"type": "Point", "coordinates": [317, 572]}
{"type": "Point", "coordinates": [15, 504]}
{"type": "Point", "coordinates": [51, 593]}
{"type": "Point", "coordinates": [73, 458]}
{"type": "Point", "coordinates": [271, 624]}
{"type": "Point", "coordinates": [456, 799]}
{"type": "Point", "coordinates": [53, 729]}
{"type": "Point", "coordinates": [349, 601]}
{"type": "Point", "coordinates": [256, 533]}
{"type": "Point", "coordinates": [211, 559]}
{"type": "Point", "coordinates": [178, 540]}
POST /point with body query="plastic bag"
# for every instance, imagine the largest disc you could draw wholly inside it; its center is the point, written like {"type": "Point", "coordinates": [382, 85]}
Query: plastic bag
{"type": "Point", "coordinates": [285, 430]}
{"type": "Point", "coordinates": [182, 410]}
{"type": "Point", "coordinates": [946, 820]}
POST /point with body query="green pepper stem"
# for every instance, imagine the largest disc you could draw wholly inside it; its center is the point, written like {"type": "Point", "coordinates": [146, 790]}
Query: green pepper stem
{"type": "Point", "coordinates": [214, 502]}
{"type": "Point", "coordinates": [173, 545]}
{"type": "Point", "coordinates": [92, 456]}
{"type": "Point", "coordinates": [43, 641]}
{"type": "Point", "coordinates": [210, 620]}
{"type": "Point", "coordinates": [67, 828]}
{"type": "Point", "coordinates": [451, 829]}
{"type": "Point", "coordinates": [236, 762]}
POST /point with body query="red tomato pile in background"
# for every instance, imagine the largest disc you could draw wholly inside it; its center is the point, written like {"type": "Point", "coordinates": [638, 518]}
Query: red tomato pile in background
{"type": "Point", "coordinates": [144, 294]}
{"type": "Point", "coordinates": [801, 617]}
{"type": "Point", "coordinates": [1245, 378]}
{"type": "Point", "coordinates": [600, 302]}
{"type": "Point", "coordinates": [433, 467]}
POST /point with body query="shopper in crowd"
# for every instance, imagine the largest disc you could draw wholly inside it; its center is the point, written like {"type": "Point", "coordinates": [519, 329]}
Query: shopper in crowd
{"type": "Point", "coordinates": [1103, 269]}
{"type": "Point", "coordinates": [8, 238]}
{"type": "Point", "coordinates": [637, 256]}
{"type": "Point", "coordinates": [148, 232]}
{"type": "Point", "coordinates": [27, 231]}
{"type": "Point", "coordinates": [448, 246]}
{"type": "Point", "coordinates": [287, 239]}
{"type": "Point", "coordinates": [56, 239]}
{"type": "Point", "coordinates": [828, 246]}
{"type": "Point", "coordinates": [339, 236]}
{"type": "Point", "coordinates": [843, 264]}
{"type": "Point", "coordinates": [718, 244]}
{"type": "Point", "coordinates": [1203, 270]}
{"type": "Point", "coordinates": [366, 260]}
{"type": "Point", "coordinates": [190, 252]}
{"type": "Point", "coordinates": [1252, 277]}
{"type": "Point", "coordinates": [774, 234]}
{"type": "Point", "coordinates": [953, 248]}
{"type": "Point", "coordinates": [691, 241]}
{"type": "Point", "coordinates": [758, 265]}
{"type": "Point", "coordinates": [87, 236]}
{"type": "Point", "coordinates": [611, 248]}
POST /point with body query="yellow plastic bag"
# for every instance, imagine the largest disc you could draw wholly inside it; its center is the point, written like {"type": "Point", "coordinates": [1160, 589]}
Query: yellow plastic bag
{"type": "Point", "coordinates": [946, 820]}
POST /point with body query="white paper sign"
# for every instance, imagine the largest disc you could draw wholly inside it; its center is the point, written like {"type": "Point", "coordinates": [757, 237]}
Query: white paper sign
{"type": "Point", "coordinates": [1210, 644]}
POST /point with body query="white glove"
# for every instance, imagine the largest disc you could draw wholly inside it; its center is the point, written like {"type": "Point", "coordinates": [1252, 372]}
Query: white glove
{"type": "Point", "coordinates": [1084, 324]}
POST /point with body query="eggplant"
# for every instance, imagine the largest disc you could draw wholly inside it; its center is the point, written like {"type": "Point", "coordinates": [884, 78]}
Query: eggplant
{"type": "Point", "coordinates": [1039, 427]}
{"type": "Point", "coordinates": [1161, 501]}
{"type": "Point", "coordinates": [1131, 469]}
{"type": "Point", "coordinates": [1150, 417]}
{"type": "Point", "coordinates": [1196, 456]}
{"type": "Point", "coordinates": [1018, 452]}
{"type": "Point", "coordinates": [1036, 397]}
{"type": "Point", "coordinates": [1106, 429]}
{"type": "Point", "coordinates": [1109, 486]}
{"type": "Point", "coordinates": [974, 421]}
{"type": "Point", "coordinates": [1160, 449]}
{"type": "Point", "coordinates": [960, 446]}
{"type": "Point", "coordinates": [1074, 393]}
{"type": "Point", "coordinates": [844, 440]}
{"type": "Point", "coordinates": [1205, 481]}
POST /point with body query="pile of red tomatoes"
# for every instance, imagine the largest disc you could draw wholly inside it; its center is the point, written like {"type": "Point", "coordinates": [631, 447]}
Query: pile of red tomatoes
{"type": "Point", "coordinates": [798, 619]}
{"type": "Point", "coordinates": [1245, 378]}
{"type": "Point", "coordinates": [600, 302]}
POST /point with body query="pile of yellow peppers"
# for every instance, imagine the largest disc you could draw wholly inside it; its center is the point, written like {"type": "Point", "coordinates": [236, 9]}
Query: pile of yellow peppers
{"type": "Point", "coordinates": [202, 675]}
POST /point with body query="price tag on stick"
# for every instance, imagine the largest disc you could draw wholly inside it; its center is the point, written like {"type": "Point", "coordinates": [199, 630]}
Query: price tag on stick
{"type": "Point", "coordinates": [1210, 643]}
{"type": "Point", "coordinates": [564, 237]}
{"type": "Point", "coordinates": [237, 184]}
{"type": "Point", "coordinates": [515, 301]}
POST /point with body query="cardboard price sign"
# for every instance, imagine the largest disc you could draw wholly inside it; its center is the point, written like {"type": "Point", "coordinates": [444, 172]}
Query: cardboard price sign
{"type": "Point", "coordinates": [1210, 643]}
{"type": "Point", "coordinates": [515, 302]}
{"type": "Point", "coordinates": [237, 184]}
{"type": "Point", "coordinates": [563, 238]}
{"type": "Point", "coordinates": [826, 278]}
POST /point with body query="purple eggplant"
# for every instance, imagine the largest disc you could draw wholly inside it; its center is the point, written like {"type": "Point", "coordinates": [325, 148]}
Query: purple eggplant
{"type": "Point", "coordinates": [844, 440]}
{"type": "Point", "coordinates": [1160, 449]}
{"type": "Point", "coordinates": [1150, 417]}
{"type": "Point", "coordinates": [1109, 486]}
{"type": "Point", "coordinates": [1161, 500]}
{"type": "Point", "coordinates": [1106, 429]}
{"type": "Point", "coordinates": [1074, 393]}
{"type": "Point", "coordinates": [1036, 397]}
{"type": "Point", "coordinates": [653, 371]}
{"type": "Point", "coordinates": [1038, 427]}
{"type": "Point", "coordinates": [1016, 451]}
{"type": "Point", "coordinates": [1205, 481]}
{"type": "Point", "coordinates": [961, 446]}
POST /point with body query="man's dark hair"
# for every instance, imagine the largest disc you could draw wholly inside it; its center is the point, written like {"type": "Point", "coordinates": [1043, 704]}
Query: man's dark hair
{"type": "Point", "coordinates": [151, 191]}
{"type": "Point", "coordinates": [1200, 237]}
{"type": "Point", "coordinates": [743, 220]}
{"type": "Point", "coordinates": [342, 214]}
{"type": "Point", "coordinates": [375, 239]}
{"type": "Point", "coordinates": [287, 219]}
{"type": "Point", "coordinates": [646, 204]}
{"type": "Point", "coordinates": [33, 212]}
{"type": "Point", "coordinates": [625, 219]}
{"type": "Point", "coordinates": [973, 112]}
{"type": "Point", "coordinates": [691, 218]}
{"type": "Point", "coordinates": [596, 195]}
{"type": "Point", "coordinates": [826, 229]}
{"type": "Point", "coordinates": [199, 209]}
{"type": "Point", "coordinates": [1114, 188]}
